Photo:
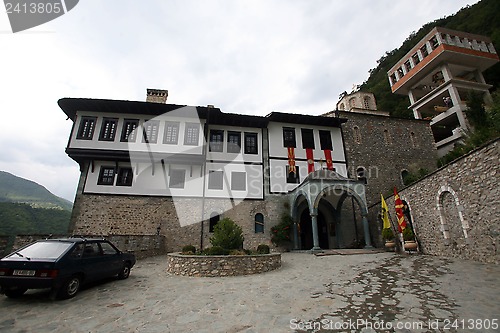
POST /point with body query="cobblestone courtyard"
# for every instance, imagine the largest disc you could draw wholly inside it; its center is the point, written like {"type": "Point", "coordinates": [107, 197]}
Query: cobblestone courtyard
{"type": "Point", "coordinates": [379, 292]}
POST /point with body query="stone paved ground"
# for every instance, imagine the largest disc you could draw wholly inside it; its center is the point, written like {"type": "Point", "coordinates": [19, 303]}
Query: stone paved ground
{"type": "Point", "coordinates": [335, 293]}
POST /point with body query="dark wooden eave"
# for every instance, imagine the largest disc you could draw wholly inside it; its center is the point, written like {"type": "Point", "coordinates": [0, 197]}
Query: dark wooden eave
{"type": "Point", "coordinates": [215, 116]}
{"type": "Point", "coordinates": [305, 119]}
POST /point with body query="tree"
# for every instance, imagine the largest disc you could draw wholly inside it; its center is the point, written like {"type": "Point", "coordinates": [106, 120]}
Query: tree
{"type": "Point", "coordinates": [228, 235]}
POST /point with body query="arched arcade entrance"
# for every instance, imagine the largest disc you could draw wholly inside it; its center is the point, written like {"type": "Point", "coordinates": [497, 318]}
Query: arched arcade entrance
{"type": "Point", "coordinates": [316, 207]}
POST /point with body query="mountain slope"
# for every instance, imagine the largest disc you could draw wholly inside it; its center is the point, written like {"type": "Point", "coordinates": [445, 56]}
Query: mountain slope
{"type": "Point", "coordinates": [19, 190]}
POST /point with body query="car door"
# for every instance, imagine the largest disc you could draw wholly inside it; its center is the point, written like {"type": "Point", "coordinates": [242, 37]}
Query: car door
{"type": "Point", "coordinates": [111, 258]}
{"type": "Point", "coordinates": [93, 263]}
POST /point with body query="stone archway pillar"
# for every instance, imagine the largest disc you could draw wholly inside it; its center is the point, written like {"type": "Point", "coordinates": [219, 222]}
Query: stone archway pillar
{"type": "Point", "coordinates": [366, 229]}
{"type": "Point", "coordinates": [296, 245]}
{"type": "Point", "coordinates": [314, 221]}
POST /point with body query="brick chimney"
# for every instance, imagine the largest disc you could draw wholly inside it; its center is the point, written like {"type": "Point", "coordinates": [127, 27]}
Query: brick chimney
{"type": "Point", "coordinates": [157, 96]}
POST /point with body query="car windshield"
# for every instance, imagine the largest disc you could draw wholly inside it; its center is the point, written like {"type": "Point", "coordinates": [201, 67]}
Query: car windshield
{"type": "Point", "coordinates": [44, 250]}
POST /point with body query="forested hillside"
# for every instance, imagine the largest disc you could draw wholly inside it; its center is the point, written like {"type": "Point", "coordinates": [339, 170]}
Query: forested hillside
{"type": "Point", "coordinates": [16, 218]}
{"type": "Point", "coordinates": [29, 208]}
{"type": "Point", "coordinates": [482, 18]}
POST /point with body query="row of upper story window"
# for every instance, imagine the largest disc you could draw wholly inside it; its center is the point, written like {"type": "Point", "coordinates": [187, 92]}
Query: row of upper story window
{"type": "Point", "coordinates": [307, 134]}
{"type": "Point", "coordinates": [150, 133]}
{"type": "Point", "coordinates": [431, 45]}
{"type": "Point", "coordinates": [217, 137]}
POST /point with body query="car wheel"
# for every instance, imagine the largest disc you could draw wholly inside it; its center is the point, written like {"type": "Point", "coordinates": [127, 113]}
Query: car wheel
{"type": "Point", "coordinates": [70, 288]}
{"type": "Point", "coordinates": [125, 271]}
{"type": "Point", "coordinates": [15, 292]}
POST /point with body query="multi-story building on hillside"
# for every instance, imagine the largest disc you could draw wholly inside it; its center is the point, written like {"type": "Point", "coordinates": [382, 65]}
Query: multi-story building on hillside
{"type": "Point", "coordinates": [152, 168]}
{"type": "Point", "coordinates": [437, 74]}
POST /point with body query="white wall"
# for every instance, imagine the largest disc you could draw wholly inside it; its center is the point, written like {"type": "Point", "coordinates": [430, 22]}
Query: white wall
{"type": "Point", "coordinates": [241, 157]}
{"type": "Point", "coordinates": [149, 182]}
{"type": "Point", "coordinates": [278, 154]}
{"type": "Point", "coordinates": [138, 145]}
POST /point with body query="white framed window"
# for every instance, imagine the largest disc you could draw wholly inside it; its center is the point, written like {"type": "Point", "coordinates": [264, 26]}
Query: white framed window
{"type": "Point", "coordinates": [171, 135]}
{"type": "Point", "coordinates": [215, 180]}
{"type": "Point", "coordinates": [191, 134]}
{"type": "Point", "coordinates": [177, 178]}
{"type": "Point", "coordinates": [238, 181]}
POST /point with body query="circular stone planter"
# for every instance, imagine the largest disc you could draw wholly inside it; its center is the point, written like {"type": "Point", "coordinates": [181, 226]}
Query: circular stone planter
{"type": "Point", "coordinates": [212, 266]}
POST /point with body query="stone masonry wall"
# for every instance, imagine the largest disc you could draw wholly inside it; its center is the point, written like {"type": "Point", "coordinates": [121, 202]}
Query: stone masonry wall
{"type": "Point", "coordinates": [407, 144]}
{"type": "Point", "coordinates": [211, 266]}
{"type": "Point", "coordinates": [141, 245]}
{"type": "Point", "coordinates": [108, 215]}
{"type": "Point", "coordinates": [456, 209]}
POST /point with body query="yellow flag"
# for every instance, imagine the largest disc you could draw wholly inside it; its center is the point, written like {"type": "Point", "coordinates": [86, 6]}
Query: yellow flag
{"type": "Point", "coordinates": [384, 212]}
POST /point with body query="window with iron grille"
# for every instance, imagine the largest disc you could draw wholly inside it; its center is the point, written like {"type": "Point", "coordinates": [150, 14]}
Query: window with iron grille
{"type": "Point", "coordinates": [150, 130]}
{"type": "Point", "coordinates": [171, 135]}
{"type": "Point", "coordinates": [191, 134]}
{"type": "Point", "coordinates": [251, 146]}
{"type": "Point", "coordinates": [106, 176]}
{"type": "Point", "coordinates": [86, 129]}
{"type": "Point", "coordinates": [129, 130]}
{"type": "Point", "coordinates": [108, 129]}
{"type": "Point", "coordinates": [289, 137]}
{"type": "Point", "coordinates": [125, 177]}
{"type": "Point", "coordinates": [233, 142]}
{"type": "Point", "coordinates": [216, 140]}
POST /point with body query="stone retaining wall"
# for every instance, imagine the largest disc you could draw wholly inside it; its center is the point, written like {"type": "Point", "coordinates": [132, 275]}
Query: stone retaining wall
{"type": "Point", "coordinates": [455, 209]}
{"type": "Point", "coordinates": [213, 266]}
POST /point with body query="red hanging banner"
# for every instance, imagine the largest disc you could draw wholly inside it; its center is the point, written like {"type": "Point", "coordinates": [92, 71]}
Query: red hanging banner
{"type": "Point", "coordinates": [399, 211]}
{"type": "Point", "coordinates": [291, 160]}
{"type": "Point", "coordinates": [328, 158]}
{"type": "Point", "coordinates": [310, 160]}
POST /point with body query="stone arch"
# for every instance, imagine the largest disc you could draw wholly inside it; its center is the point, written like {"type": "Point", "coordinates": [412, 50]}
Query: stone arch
{"type": "Point", "coordinates": [361, 174]}
{"type": "Point", "coordinates": [404, 174]}
{"type": "Point", "coordinates": [356, 134]}
{"type": "Point", "coordinates": [352, 102]}
{"type": "Point", "coordinates": [343, 191]}
{"type": "Point", "coordinates": [312, 192]}
{"type": "Point", "coordinates": [447, 227]}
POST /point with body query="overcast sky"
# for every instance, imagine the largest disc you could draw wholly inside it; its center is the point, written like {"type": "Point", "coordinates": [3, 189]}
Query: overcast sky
{"type": "Point", "coordinates": [250, 57]}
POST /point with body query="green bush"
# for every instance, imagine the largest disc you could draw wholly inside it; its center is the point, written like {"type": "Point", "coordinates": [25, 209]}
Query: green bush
{"type": "Point", "coordinates": [263, 249]}
{"type": "Point", "coordinates": [408, 234]}
{"type": "Point", "coordinates": [387, 234]}
{"type": "Point", "coordinates": [188, 249]}
{"type": "Point", "coordinates": [215, 251]}
{"type": "Point", "coordinates": [281, 233]}
{"type": "Point", "coordinates": [228, 235]}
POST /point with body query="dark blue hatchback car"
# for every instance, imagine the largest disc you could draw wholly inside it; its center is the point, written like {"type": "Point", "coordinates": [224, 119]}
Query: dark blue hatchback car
{"type": "Point", "coordinates": [63, 265]}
